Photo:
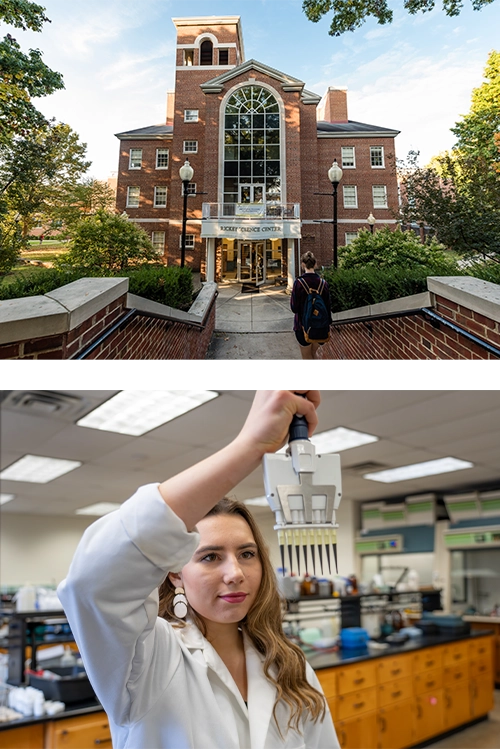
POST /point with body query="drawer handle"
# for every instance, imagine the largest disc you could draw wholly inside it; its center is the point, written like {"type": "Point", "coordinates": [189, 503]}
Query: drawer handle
{"type": "Point", "coordinates": [396, 694]}
{"type": "Point", "coordinates": [429, 663]}
{"type": "Point", "coordinates": [448, 700]}
{"type": "Point", "coordinates": [396, 671]}
{"type": "Point", "coordinates": [102, 741]}
{"type": "Point", "coordinates": [419, 710]}
{"type": "Point", "coordinates": [342, 739]}
{"type": "Point", "coordinates": [358, 705]}
{"type": "Point", "coordinates": [429, 683]}
{"type": "Point", "coordinates": [383, 724]}
{"type": "Point", "coordinates": [359, 681]}
{"type": "Point", "coordinates": [458, 676]}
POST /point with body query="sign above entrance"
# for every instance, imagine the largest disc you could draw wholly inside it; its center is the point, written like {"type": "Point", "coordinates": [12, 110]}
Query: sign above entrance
{"type": "Point", "coordinates": [251, 229]}
{"type": "Point", "coordinates": [253, 210]}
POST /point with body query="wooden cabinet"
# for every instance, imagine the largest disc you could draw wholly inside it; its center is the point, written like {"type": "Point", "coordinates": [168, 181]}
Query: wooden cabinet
{"type": "Point", "coordinates": [389, 668]}
{"type": "Point", "coordinates": [355, 703]}
{"type": "Point", "coordinates": [455, 654]}
{"type": "Point", "coordinates": [395, 725]}
{"type": "Point", "coordinates": [481, 695]}
{"type": "Point", "coordinates": [24, 737]}
{"type": "Point", "coordinates": [429, 714]}
{"type": "Point", "coordinates": [84, 732]}
{"type": "Point", "coordinates": [427, 659]}
{"type": "Point", "coordinates": [359, 732]}
{"type": "Point", "coordinates": [360, 676]}
{"type": "Point", "coordinates": [428, 680]}
{"type": "Point", "coordinates": [457, 704]}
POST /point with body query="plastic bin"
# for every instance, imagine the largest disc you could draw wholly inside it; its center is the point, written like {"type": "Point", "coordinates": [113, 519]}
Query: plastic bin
{"type": "Point", "coordinates": [73, 686]}
{"type": "Point", "coordinates": [354, 637]}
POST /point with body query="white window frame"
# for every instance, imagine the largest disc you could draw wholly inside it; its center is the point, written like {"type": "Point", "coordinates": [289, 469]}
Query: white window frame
{"type": "Point", "coordinates": [156, 203]}
{"type": "Point", "coordinates": [191, 115]}
{"type": "Point", "coordinates": [189, 241]}
{"type": "Point", "coordinates": [165, 150]}
{"type": "Point", "coordinates": [191, 189]}
{"type": "Point", "coordinates": [193, 149]}
{"type": "Point", "coordinates": [130, 165]}
{"type": "Point", "coordinates": [344, 165]}
{"type": "Point", "coordinates": [188, 57]}
{"type": "Point", "coordinates": [355, 189]}
{"type": "Point", "coordinates": [159, 245]}
{"type": "Point", "coordinates": [350, 236]}
{"type": "Point", "coordinates": [379, 204]}
{"type": "Point", "coordinates": [377, 166]}
{"type": "Point", "coordinates": [133, 187]}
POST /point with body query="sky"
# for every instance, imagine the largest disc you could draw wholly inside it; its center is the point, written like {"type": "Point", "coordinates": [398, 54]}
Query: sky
{"type": "Point", "coordinates": [117, 58]}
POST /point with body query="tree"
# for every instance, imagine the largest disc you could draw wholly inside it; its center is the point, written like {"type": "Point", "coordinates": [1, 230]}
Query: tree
{"type": "Point", "coordinates": [349, 15]}
{"type": "Point", "coordinates": [37, 174]}
{"type": "Point", "coordinates": [394, 249]}
{"type": "Point", "coordinates": [82, 200]}
{"type": "Point", "coordinates": [110, 241]}
{"type": "Point", "coordinates": [22, 76]}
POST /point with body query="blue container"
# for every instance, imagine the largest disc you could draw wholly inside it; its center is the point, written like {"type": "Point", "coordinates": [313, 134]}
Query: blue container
{"type": "Point", "coordinates": [354, 637]}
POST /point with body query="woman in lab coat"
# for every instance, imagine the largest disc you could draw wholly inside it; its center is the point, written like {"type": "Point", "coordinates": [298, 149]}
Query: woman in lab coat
{"type": "Point", "coordinates": [214, 670]}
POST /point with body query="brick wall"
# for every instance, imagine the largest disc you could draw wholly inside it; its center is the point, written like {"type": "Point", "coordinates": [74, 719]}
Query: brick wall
{"type": "Point", "coordinates": [474, 307]}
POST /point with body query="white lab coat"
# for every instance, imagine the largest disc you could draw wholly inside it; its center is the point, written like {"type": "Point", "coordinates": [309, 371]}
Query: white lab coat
{"type": "Point", "coordinates": [163, 687]}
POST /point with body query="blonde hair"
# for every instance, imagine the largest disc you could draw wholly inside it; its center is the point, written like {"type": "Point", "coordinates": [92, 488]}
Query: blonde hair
{"type": "Point", "coordinates": [263, 624]}
{"type": "Point", "coordinates": [308, 259]}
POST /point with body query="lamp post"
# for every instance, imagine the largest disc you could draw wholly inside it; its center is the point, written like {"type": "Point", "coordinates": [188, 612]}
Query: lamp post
{"type": "Point", "coordinates": [371, 220]}
{"type": "Point", "coordinates": [186, 173]}
{"type": "Point", "coordinates": [335, 175]}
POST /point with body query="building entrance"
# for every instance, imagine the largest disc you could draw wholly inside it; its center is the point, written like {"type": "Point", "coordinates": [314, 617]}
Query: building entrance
{"type": "Point", "coordinates": [251, 262]}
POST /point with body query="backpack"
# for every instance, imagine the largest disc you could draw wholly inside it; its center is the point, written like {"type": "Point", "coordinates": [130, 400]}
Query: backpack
{"type": "Point", "coordinates": [315, 318]}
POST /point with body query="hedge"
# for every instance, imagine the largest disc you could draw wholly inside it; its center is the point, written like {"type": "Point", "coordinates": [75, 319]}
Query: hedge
{"type": "Point", "coordinates": [171, 286]}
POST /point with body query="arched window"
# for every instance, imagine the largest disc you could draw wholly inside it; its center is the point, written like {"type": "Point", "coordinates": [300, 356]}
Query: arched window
{"type": "Point", "coordinates": [206, 52]}
{"type": "Point", "coordinates": [252, 169]}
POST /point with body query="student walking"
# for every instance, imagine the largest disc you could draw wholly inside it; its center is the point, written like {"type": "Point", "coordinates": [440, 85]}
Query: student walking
{"type": "Point", "coordinates": [173, 602]}
{"type": "Point", "coordinates": [301, 302]}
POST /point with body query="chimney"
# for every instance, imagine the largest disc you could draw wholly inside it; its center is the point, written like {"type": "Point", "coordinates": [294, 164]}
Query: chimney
{"type": "Point", "coordinates": [334, 107]}
{"type": "Point", "coordinates": [170, 107]}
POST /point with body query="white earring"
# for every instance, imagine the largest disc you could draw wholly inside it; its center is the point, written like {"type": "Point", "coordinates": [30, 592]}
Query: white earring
{"type": "Point", "coordinates": [180, 603]}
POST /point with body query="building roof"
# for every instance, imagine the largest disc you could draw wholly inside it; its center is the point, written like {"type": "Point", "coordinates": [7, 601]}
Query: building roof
{"type": "Point", "coordinates": [353, 129]}
{"type": "Point", "coordinates": [153, 132]}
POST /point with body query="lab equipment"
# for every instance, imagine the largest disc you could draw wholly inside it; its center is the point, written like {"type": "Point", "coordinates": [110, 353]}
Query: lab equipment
{"type": "Point", "coordinates": [304, 491]}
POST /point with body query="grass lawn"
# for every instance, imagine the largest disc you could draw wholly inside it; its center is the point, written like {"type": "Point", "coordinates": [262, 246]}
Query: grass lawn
{"type": "Point", "coordinates": [45, 253]}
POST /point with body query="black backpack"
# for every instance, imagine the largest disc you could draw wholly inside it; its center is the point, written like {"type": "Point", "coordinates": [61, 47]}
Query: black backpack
{"type": "Point", "coordinates": [315, 318]}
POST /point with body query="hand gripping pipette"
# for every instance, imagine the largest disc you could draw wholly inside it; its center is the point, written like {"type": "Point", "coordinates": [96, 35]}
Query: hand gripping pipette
{"type": "Point", "coordinates": [304, 491]}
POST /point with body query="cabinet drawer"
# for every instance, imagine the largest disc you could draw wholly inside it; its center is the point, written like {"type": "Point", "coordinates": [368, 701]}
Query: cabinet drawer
{"type": "Point", "coordinates": [328, 679]}
{"type": "Point", "coordinates": [25, 737]}
{"type": "Point", "coordinates": [355, 703]}
{"type": "Point", "coordinates": [427, 659]}
{"type": "Point", "coordinates": [454, 654]}
{"type": "Point", "coordinates": [354, 678]}
{"type": "Point", "coordinates": [399, 689]}
{"type": "Point", "coordinates": [82, 732]}
{"type": "Point", "coordinates": [393, 668]}
{"type": "Point", "coordinates": [428, 681]}
{"type": "Point", "coordinates": [482, 669]}
{"type": "Point", "coordinates": [481, 648]}
{"type": "Point", "coordinates": [453, 674]}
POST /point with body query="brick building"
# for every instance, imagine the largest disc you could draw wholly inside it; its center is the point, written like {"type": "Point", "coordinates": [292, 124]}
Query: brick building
{"type": "Point", "coordinates": [261, 146]}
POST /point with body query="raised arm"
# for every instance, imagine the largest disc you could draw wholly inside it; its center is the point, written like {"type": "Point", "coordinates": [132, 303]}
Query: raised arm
{"type": "Point", "coordinates": [192, 493]}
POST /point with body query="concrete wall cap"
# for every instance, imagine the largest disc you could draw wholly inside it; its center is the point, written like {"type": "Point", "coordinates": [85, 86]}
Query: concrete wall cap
{"type": "Point", "coordinates": [31, 317]}
{"type": "Point", "coordinates": [195, 314]}
{"type": "Point", "coordinates": [474, 293]}
{"type": "Point", "coordinates": [393, 306]}
{"type": "Point", "coordinates": [87, 296]}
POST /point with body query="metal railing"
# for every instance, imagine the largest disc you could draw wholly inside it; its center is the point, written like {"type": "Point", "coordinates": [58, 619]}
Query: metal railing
{"type": "Point", "coordinates": [252, 211]}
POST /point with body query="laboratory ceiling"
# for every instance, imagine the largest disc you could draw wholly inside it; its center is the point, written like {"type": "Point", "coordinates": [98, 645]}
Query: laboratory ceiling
{"type": "Point", "coordinates": [412, 427]}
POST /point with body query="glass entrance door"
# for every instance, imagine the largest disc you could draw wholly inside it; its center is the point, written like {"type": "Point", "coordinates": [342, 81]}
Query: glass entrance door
{"type": "Point", "coordinates": [251, 262]}
{"type": "Point", "coordinates": [252, 193]}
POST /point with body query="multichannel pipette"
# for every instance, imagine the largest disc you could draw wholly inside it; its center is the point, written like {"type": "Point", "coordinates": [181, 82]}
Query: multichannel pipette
{"type": "Point", "coordinates": [304, 491]}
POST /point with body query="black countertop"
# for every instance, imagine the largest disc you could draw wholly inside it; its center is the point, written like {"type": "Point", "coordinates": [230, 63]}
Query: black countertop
{"type": "Point", "coordinates": [318, 660]}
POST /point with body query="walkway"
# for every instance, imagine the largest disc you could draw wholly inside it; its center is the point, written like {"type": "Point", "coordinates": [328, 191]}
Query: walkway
{"type": "Point", "coordinates": [253, 326]}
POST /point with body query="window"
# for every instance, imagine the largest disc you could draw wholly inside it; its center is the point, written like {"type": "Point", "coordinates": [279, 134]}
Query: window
{"type": "Point", "coordinates": [377, 157]}
{"type": "Point", "coordinates": [190, 115]}
{"type": "Point", "coordinates": [350, 236]}
{"type": "Point", "coordinates": [379, 196]}
{"type": "Point", "coordinates": [206, 52]}
{"type": "Point", "coordinates": [223, 57]}
{"type": "Point", "coordinates": [135, 158]}
{"type": "Point", "coordinates": [188, 57]}
{"type": "Point", "coordinates": [191, 188]}
{"type": "Point", "coordinates": [158, 240]}
{"type": "Point", "coordinates": [350, 196]}
{"type": "Point", "coordinates": [162, 158]}
{"type": "Point", "coordinates": [133, 196]}
{"type": "Point", "coordinates": [189, 241]}
{"type": "Point", "coordinates": [348, 157]}
{"type": "Point", "coordinates": [252, 139]}
{"type": "Point", "coordinates": [160, 197]}
{"type": "Point", "coordinates": [190, 146]}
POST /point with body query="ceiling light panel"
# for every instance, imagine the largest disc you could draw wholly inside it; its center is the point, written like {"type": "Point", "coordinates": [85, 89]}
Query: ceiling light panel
{"type": "Point", "coordinates": [36, 469]}
{"type": "Point", "coordinates": [257, 502]}
{"type": "Point", "coordinates": [135, 412]}
{"type": "Point", "coordinates": [98, 509]}
{"type": "Point", "coordinates": [4, 498]}
{"type": "Point", "coordinates": [338, 439]}
{"type": "Point", "coordinates": [419, 470]}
